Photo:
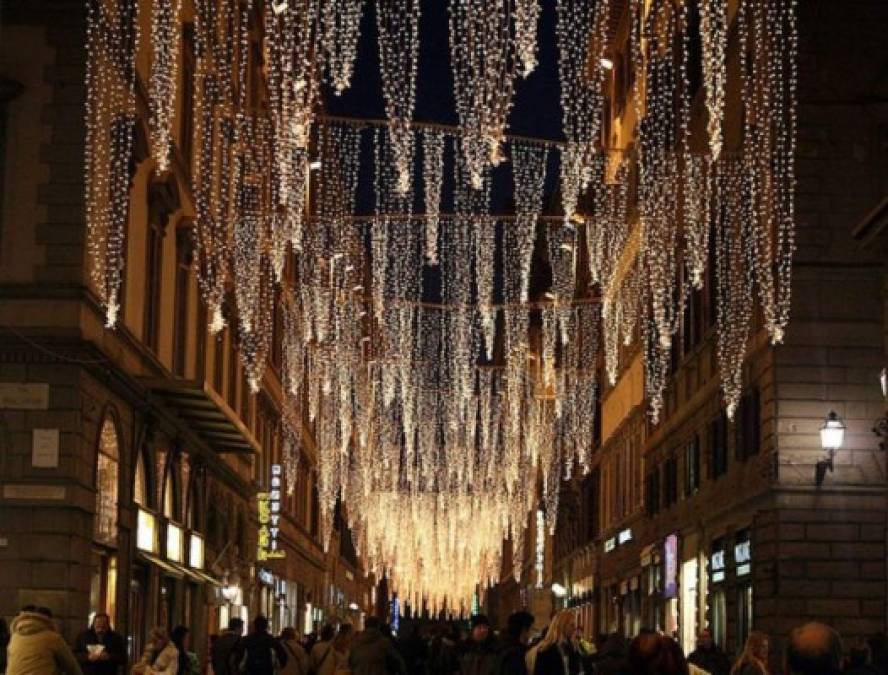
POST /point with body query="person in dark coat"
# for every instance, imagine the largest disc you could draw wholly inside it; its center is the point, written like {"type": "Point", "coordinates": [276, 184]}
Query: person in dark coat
{"type": "Point", "coordinates": [372, 653]}
{"type": "Point", "coordinates": [256, 653]}
{"type": "Point", "coordinates": [859, 660]}
{"type": "Point", "coordinates": [444, 651]}
{"type": "Point", "coordinates": [653, 654]}
{"type": "Point", "coordinates": [709, 656]}
{"type": "Point", "coordinates": [478, 654]}
{"type": "Point", "coordinates": [106, 661]}
{"type": "Point", "coordinates": [414, 651]}
{"type": "Point", "coordinates": [813, 649]}
{"type": "Point", "coordinates": [223, 648]}
{"type": "Point", "coordinates": [510, 660]}
{"type": "Point", "coordinates": [613, 657]}
{"type": "Point", "coordinates": [556, 654]}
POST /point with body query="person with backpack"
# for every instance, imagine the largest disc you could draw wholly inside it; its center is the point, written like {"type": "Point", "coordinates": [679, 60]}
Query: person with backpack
{"type": "Point", "coordinates": [322, 660]}
{"type": "Point", "coordinates": [297, 659]}
{"type": "Point", "coordinates": [259, 653]}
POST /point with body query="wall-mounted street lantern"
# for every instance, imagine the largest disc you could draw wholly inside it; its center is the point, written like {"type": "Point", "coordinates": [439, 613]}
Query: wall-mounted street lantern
{"type": "Point", "coordinates": [832, 435]}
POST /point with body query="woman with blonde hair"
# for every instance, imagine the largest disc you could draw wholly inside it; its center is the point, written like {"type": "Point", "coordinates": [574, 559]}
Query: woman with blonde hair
{"type": "Point", "coordinates": [161, 657]}
{"type": "Point", "coordinates": [754, 659]}
{"type": "Point", "coordinates": [556, 654]}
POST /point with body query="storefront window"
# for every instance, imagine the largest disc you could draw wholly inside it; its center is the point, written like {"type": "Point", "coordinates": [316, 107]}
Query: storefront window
{"type": "Point", "coordinates": [689, 571]}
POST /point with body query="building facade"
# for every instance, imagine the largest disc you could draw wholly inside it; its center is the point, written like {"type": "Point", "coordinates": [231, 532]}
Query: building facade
{"type": "Point", "coordinates": [135, 462]}
{"type": "Point", "coordinates": [701, 521]}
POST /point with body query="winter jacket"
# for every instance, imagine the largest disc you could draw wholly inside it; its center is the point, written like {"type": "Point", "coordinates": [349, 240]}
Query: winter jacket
{"type": "Point", "coordinates": [297, 659]}
{"type": "Point", "coordinates": [166, 662]}
{"type": "Point", "coordinates": [35, 648]}
{"type": "Point", "coordinates": [223, 650]}
{"type": "Point", "coordinates": [478, 658]}
{"type": "Point", "coordinates": [443, 657]}
{"type": "Point", "coordinates": [551, 662]}
{"type": "Point", "coordinates": [510, 660]}
{"type": "Point", "coordinates": [324, 659]}
{"type": "Point", "coordinates": [372, 653]}
{"type": "Point", "coordinates": [256, 654]}
{"type": "Point", "coordinates": [114, 645]}
{"type": "Point", "coordinates": [713, 660]}
{"type": "Point", "coordinates": [613, 658]}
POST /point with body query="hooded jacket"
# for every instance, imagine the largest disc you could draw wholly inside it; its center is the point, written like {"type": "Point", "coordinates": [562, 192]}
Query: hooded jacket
{"type": "Point", "coordinates": [35, 648]}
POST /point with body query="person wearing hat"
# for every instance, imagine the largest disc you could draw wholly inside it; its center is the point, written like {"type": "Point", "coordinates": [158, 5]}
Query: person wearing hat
{"type": "Point", "coordinates": [479, 652]}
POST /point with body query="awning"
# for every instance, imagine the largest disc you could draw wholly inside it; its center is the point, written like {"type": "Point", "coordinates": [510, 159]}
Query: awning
{"type": "Point", "coordinates": [179, 571]}
{"type": "Point", "coordinates": [206, 413]}
{"type": "Point", "coordinates": [167, 568]}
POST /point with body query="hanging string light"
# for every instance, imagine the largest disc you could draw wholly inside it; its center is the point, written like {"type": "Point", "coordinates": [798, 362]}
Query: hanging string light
{"type": "Point", "coordinates": [529, 175]}
{"type": "Point", "coordinates": [484, 69]}
{"type": "Point", "coordinates": [397, 22]}
{"type": "Point", "coordinates": [527, 17]}
{"type": "Point", "coordinates": [112, 37]}
{"type": "Point", "coordinates": [432, 176]}
{"type": "Point", "coordinates": [164, 77]}
{"type": "Point", "coordinates": [714, 38]}
{"type": "Point", "coordinates": [581, 91]}
{"type": "Point", "coordinates": [341, 20]}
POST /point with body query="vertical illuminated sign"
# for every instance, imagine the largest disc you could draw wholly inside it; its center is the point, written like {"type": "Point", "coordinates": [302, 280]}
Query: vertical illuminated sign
{"type": "Point", "coordinates": [270, 518]}
{"type": "Point", "coordinates": [670, 553]}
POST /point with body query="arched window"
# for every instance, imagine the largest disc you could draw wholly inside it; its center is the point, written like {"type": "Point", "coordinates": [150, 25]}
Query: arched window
{"type": "Point", "coordinates": [140, 486]}
{"type": "Point", "coordinates": [107, 472]}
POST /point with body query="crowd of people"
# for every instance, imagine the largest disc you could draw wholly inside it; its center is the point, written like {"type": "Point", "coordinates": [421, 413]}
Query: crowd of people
{"type": "Point", "coordinates": [31, 645]}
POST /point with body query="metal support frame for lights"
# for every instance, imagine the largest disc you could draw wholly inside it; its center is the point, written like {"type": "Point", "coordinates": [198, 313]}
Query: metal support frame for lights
{"type": "Point", "coordinates": [832, 435]}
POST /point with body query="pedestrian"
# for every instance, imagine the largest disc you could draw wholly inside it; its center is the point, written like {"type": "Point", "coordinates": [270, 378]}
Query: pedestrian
{"type": "Point", "coordinates": [556, 653]}
{"type": "Point", "coordinates": [709, 656]}
{"type": "Point", "coordinates": [188, 664]}
{"type": "Point", "coordinates": [35, 646]}
{"type": "Point", "coordinates": [341, 647]}
{"type": "Point", "coordinates": [814, 649]}
{"type": "Point", "coordinates": [372, 653]}
{"type": "Point", "coordinates": [4, 643]}
{"type": "Point", "coordinates": [478, 655]}
{"type": "Point", "coordinates": [414, 650]}
{"type": "Point", "coordinates": [99, 649]}
{"type": "Point", "coordinates": [161, 657]}
{"type": "Point", "coordinates": [223, 648]}
{"type": "Point", "coordinates": [297, 659]}
{"type": "Point", "coordinates": [510, 660]}
{"type": "Point", "coordinates": [754, 658]}
{"type": "Point", "coordinates": [613, 656]}
{"type": "Point", "coordinates": [259, 653]}
{"type": "Point", "coordinates": [321, 658]}
{"type": "Point", "coordinates": [443, 652]}
{"type": "Point", "coordinates": [859, 659]}
{"type": "Point", "coordinates": [653, 654]}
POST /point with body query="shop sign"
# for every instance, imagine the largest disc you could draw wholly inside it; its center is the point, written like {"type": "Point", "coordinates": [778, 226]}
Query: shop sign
{"type": "Point", "coordinates": [624, 536]}
{"type": "Point", "coordinates": [742, 556]}
{"type": "Point", "coordinates": [610, 544]}
{"type": "Point", "coordinates": [670, 553]}
{"type": "Point", "coordinates": [266, 577]}
{"type": "Point", "coordinates": [717, 565]}
{"type": "Point", "coordinates": [270, 518]}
